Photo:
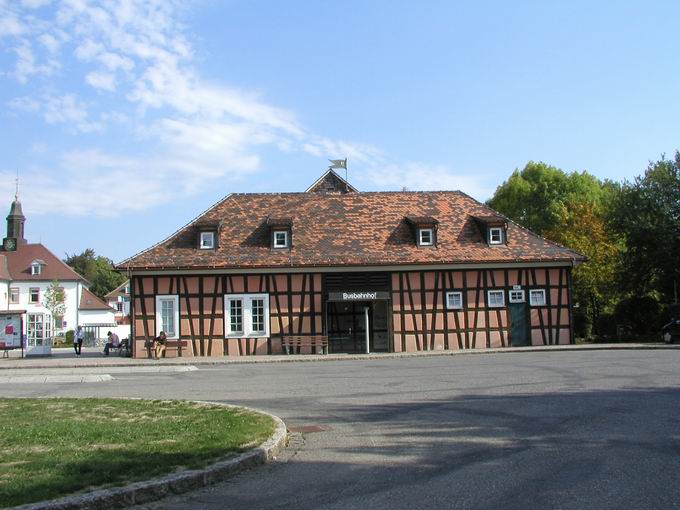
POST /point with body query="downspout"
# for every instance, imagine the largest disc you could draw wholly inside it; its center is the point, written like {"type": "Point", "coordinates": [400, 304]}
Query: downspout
{"type": "Point", "coordinates": [78, 291]}
{"type": "Point", "coordinates": [572, 340]}
{"type": "Point", "coordinates": [131, 315]}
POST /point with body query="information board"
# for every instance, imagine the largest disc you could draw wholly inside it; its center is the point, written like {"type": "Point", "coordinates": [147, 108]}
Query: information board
{"type": "Point", "coordinates": [10, 330]}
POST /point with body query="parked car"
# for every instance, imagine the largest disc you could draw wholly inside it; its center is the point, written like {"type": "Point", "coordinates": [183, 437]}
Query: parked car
{"type": "Point", "coordinates": [671, 331]}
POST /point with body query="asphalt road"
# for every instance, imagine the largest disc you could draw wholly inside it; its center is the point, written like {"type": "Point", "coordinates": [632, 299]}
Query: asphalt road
{"type": "Point", "coordinates": [513, 431]}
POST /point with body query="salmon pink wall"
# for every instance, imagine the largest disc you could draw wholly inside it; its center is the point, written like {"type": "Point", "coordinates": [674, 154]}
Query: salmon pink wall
{"type": "Point", "coordinates": [421, 320]}
{"type": "Point", "coordinates": [295, 306]}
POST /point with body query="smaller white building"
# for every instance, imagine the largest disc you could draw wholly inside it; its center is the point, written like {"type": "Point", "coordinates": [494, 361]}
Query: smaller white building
{"type": "Point", "coordinates": [27, 271]}
{"type": "Point", "coordinates": [119, 300]}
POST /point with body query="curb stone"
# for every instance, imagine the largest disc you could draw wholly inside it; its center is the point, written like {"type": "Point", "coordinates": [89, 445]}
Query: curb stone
{"type": "Point", "coordinates": [297, 358]}
{"type": "Point", "coordinates": [138, 493]}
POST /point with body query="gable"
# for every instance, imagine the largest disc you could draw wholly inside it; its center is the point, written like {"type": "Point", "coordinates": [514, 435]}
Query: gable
{"type": "Point", "coordinates": [331, 182]}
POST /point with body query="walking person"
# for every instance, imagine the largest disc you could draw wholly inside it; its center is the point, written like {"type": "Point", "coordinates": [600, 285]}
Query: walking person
{"type": "Point", "coordinates": [78, 340]}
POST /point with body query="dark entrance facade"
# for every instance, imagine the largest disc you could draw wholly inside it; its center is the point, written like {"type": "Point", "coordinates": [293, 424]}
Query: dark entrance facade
{"type": "Point", "coordinates": [347, 326]}
{"type": "Point", "coordinates": [355, 301]}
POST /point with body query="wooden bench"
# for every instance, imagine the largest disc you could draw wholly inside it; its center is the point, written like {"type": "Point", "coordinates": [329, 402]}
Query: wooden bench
{"type": "Point", "coordinates": [296, 342]}
{"type": "Point", "coordinates": [178, 344]}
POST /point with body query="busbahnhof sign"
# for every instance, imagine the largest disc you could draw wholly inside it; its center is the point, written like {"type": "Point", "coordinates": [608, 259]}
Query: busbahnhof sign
{"type": "Point", "coordinates": [358, 296]}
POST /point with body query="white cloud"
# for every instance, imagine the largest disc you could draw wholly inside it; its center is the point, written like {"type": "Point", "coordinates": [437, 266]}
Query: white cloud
{"type": "Point", "coordinates": [35, 4]}
{"type": "Point", "coordinates": [27, 64]}
{"type": "Point", "coordinates": [66, 109]}
{"type": "Point", "coordinates": [10, 26]}
{"type": "Point", "coordinates": [195, 131]}
{"type": "Point", "coordinates": [88, 49]}
{"type": "Point", "coordinates": [25, 103]}
{"type": "Point", "coordinates": [102, 81]}
{"type": "Point", "coordinates": [416, 176]}
{"type": "Point", "coordinates": [50, 42]}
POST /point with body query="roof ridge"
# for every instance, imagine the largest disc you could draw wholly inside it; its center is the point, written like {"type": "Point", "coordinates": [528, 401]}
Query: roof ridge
{"type": "Point", "coordinates": [356, 194]}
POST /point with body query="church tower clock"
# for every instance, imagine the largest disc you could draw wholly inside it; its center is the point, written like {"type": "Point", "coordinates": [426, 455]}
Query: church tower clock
{"type": "Point", "coordinates": [15, 226]}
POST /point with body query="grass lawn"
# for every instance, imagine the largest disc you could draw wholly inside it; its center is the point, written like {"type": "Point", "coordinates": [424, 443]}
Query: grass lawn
{"type": "Point", "coordinates": [54, 447]}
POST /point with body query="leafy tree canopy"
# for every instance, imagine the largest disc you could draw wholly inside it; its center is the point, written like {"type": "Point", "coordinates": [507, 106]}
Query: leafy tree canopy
{"type": "Point", "coordinates": [97, 269]}
{"type": "Point", "coordinates": [573, 210]}
{"type": "Point", "coordinates": [537, 195]}
{"type": "Point", "coordinates": [55, 299]}
{"type": "Point", "coordinates": [647, 214]}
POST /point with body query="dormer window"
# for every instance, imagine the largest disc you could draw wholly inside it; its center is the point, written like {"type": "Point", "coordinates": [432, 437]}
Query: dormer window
{"type": "Point", "coordinates": [36, 267]}
{"type": "Point", "coordinates": [280, 232]}
{"type": "Point", "coordinates": [424, 229]}
{"type": "Point", "coordinates": [425, 236]}
{"type": "Point", "coordinates": [280, 239]}
{"type": "Point", "coordinates": [495, 235]}
{"type": "Point", "coordinates": [207, 241]}
{"type": "Point", "coordinates": [207, 234]}
{"type": "Point", "coordinates": [493, 229]}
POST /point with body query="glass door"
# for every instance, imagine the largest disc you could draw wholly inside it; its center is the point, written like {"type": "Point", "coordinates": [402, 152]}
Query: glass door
{"type": "Point", "coordinates": [39, 334]}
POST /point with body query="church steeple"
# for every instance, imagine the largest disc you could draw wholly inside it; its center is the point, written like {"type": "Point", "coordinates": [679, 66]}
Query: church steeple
{"type": "Point", "coordinates": [15, 224]}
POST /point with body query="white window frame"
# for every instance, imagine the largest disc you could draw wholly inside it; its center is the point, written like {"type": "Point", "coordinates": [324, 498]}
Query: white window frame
{"type": "Point", "coordinates": [285, 239]}
{"type": "Point", "coordinates": [30, 295]}
{"type": "Point", "coordinates": [453, 295]}
{"type": "Point", "coordinates": [247, 314]}
{"type": "Point", "coordinates": [495, 230]}
{"type": "Point", "coordinates": [420, 236]}
{"type": "Point", "coordinates": [18, 294]}
{"type": "Point", "coordinates": [42, 335]}
{"type": "Point", "coordinates": [159, 319]}
{"type": "Point", "coordinates": [495, 305]}
{"type": "Point", "coordinates": [36, 268]}
{"type": "Point", "coordinates": [519, 299]}
{"type": "Point", "coordinates": [207, 235]}
{"type": "Point", "coordinates": [532, 300]}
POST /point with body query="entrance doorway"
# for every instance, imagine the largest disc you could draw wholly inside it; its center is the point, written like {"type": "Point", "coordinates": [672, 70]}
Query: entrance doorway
{"type": "Point", "coordinates": [39, 334]}
{"type": "Point", "coordinates": [347, 326]}
{"type": "Point", "coordinates": [519, 331]}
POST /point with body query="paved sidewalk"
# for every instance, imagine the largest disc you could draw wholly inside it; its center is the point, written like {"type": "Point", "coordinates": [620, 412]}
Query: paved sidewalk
{"type": "Point", "coordinates": [92, 357]}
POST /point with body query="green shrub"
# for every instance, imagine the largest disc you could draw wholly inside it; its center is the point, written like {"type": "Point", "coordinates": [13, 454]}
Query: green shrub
{"type": "Point", "coordinates": [641, 315]}
{"type": "Point", "coordinates": [606, 325]}
{"type": "Point", "coordinates": [582, 326]}
{"type": "Point", "coordinates": [69, 336]}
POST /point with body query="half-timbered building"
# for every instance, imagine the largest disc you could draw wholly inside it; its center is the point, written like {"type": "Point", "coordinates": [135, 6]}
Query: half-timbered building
{"type": "Point", "coordinates": [376, 271]}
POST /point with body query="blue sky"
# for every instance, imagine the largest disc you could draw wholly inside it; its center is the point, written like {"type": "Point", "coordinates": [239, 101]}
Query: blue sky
{"type": "Point", "coordinates": [125, 119]}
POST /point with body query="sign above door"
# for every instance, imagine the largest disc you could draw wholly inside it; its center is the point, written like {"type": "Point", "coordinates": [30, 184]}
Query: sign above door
{"type": "Point", "coordinates": [358, 296]}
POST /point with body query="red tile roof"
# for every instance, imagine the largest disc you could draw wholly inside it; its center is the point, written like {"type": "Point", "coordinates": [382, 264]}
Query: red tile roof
{"type": "Point", "coordinates": [19, 264]}
{"type": "Point", "coordinates": [4, 272]}
{"type": "Point", "coordinates": [346, 230]}
{"type": "Point", "coordinates": [89, 301]}
{"type": "Point", "coordinates": [119, 291]}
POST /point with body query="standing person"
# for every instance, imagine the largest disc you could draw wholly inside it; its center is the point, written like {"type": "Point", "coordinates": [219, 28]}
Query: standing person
{"type": "Point", "coordinates": [78, 340]}
{"type": "Point", "coordinates": [159, 346]}
{"type": "Point", "coordinates": [113, 341]}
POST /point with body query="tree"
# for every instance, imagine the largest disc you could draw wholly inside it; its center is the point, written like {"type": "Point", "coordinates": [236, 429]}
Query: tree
{"type": "Point", "coordinates": [572, 209]}
{"type": "Point", "coordinates": [55, 302]}
{"type": "Point", "coordinates": [647, 215]}
{"type": "Point", "coordinates": [98, 270]}
{"type": "Point", "coordinates": [583, 227]}
{"type": "Point", "coordinates": [536, 196]}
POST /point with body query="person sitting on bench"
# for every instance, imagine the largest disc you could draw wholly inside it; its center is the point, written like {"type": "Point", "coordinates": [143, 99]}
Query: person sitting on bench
{"type": "Point", "coordinates": [113, 341]}
{"type": "Point", "coordinates": [159, 344]}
